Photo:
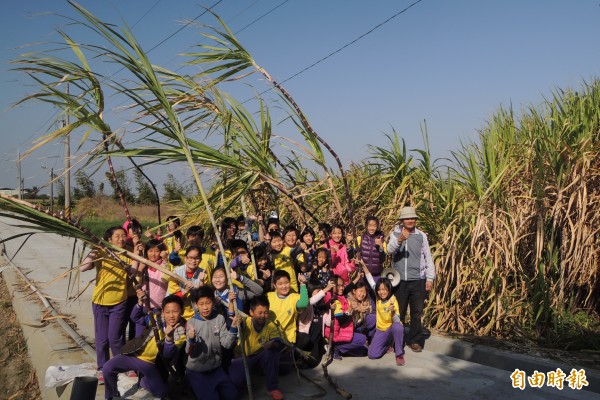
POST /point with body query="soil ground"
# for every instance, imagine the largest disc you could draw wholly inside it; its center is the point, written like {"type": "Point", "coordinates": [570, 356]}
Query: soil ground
{"type": "Point", "coordinates": [17, 378]}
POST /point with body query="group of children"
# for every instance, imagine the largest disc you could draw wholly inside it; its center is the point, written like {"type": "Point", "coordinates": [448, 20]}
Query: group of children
{"type": "Point", "coordinates": [293, 294]}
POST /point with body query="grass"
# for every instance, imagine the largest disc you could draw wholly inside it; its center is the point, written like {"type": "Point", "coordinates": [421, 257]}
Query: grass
{"type": "Point", "coordinates": [100, 213]}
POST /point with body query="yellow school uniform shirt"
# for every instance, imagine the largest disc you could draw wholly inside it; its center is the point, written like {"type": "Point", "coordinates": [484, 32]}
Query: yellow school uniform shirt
{"type": "Point", "coordinates": [284, 260]}
{"type": "Point", "coordinates": [253, 340]}
{"type": "Point", "coordinates": [169, 240]}
{"type": "Point", "coordinates": [151, 349]}
{"type": "Point", "coordinates": [249, 272]}
{"type": "Point", "coordinates": [208, 263]}
{"type": "Point", "coordinates": [283, 312]}
{"type": "Point", "coordinates": [111, 280]}
{"type": "Point", "coordinates": [384, 316]}
{"type": "Point", "coordinates": [174, 287]}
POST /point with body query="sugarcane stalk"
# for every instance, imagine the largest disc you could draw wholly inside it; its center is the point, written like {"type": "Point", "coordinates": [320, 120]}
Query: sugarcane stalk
{"type": "Point", "coordinates": [114, 177]}
{"type": "Point", "coordinates": [120, 146]}
{"type": "Point", "coordinates": [310, 129]}
{"type": "Point", "coordinates": [213, 221]}
{"type": "Point", "coordinates": [245, 212]}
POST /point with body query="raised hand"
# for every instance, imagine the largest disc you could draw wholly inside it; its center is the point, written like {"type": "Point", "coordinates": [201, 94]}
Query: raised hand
{"type": "Point", "coordinates": [164, 255]}
{"type": "Point", "coordinates": [191, 332]}
{"type": "Point", "coordinates": [330, 285]}
{"type": "Point", "coordinates": [141, 295]}
{"type": "Point", "coordinates": [302, 279]}
{"type": "Point", "coordinates": [170, 330]}
{"type": "Point", "coordinates": [266, 273]}
{"type": "Point", "coordinates": [138, 247]}
{"type": "Point", "coordinates": [235, 321]}
{"type": "Point", "coordinates": [403, 235]}
{"type": "Point", "coordinates": [187, 287]}
{"type": "Point", "coordinates": [244, 259]}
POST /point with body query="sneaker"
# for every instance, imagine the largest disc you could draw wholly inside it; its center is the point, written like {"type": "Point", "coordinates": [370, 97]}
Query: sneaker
{"type": "Point", "coordinates": [141, 393]}
{"type": "Point", "coordinates": [416, 347]}
{"type": "Point", "coordinates": [390, 349]}
{"type": "Point", "coordinates": [400, 361]}
{"type": "Point", "coordinates": [100, 377]}
{"type": "Point", "coordinates": [131, 374]}
{"type": "Point", "coordinates": [337, 355]}
{"type": "Point", "coordinates": [276, 394]}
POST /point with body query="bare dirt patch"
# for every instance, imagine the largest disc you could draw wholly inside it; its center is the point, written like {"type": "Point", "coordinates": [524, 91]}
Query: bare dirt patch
{"type": "Point", "coordinates": [18, 380]}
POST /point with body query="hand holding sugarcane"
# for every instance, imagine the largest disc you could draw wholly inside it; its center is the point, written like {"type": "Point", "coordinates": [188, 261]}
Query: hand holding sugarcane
{"type": "Point", "coordinates": [330, 286]}
{"type": "Point", "coordinates": [141, 295]}
{"type": "Point", "coordinates": [187, 287]}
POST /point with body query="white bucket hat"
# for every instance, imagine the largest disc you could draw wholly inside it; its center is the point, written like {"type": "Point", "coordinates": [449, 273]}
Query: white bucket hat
{"type": "Point", "coordinates": [408, 212]}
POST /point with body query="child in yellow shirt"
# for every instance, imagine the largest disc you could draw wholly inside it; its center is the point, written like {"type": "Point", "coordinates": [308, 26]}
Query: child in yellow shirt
{"type": "Point", "coordinates": [389, 328]}
{"type": "Point", "coordinates": [143, 360]}
{"type": "Point", "coordinates": [285, 258]}
{"type": "Point", "coordinates": [262, 345]}
{"type": "Point", "coordinates": [109, 300]}
{"type": "Point", "coordinates": [284, 304]}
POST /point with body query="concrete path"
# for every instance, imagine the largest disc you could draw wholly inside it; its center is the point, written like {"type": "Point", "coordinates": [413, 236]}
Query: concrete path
{"type": "Point", "coordinates": [431, 374]}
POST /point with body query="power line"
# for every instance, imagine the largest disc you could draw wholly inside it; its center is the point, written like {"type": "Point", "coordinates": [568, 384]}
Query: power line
{"type": "Point", "coordinates": [184, 26]}
{"type": "Point", "coordinates": [348, 44]}
{"type": "Point", "coordinates": [243, 11]}
{"type": "Point", "coordinates": [261, 17]}
{"type": "Point", "coordinates": [146, 13]}
{"type": "Point", "coordinates": [240, 30]}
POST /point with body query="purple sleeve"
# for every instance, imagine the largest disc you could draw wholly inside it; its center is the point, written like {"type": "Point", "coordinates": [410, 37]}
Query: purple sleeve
{"type": "Point", "coordinates": [138, 315]}
{"type": "Point", "coordinates": [169, 350]}
{"type": "Point", "coordinates": [235, 263]}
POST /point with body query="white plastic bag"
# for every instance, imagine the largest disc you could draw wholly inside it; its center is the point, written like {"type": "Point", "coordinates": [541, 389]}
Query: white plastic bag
{"type": "Point", "coordinates": [59, 375]}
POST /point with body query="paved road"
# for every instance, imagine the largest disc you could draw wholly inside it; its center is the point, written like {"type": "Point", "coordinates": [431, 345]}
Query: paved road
{"type": "Point", "coordinates": [46, 259]}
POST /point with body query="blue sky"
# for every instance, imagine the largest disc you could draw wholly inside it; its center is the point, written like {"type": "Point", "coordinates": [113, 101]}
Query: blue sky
{"type": "Point", "coordinates": [451, 63]}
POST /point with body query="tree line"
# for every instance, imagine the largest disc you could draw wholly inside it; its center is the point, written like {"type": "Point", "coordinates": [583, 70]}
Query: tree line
{"type": "Point", "coordinates": [135, 190]}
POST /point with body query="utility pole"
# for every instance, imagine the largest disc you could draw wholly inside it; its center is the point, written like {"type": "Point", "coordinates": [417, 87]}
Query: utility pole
{"type": "Point", "coordinates": [20, 195]}
{"type": "Point", "coordinates": [51, 187]}
{"type": "Point", "coordinates": [52, 190]}
{"type": "Point", "coordinates": [67, 166]}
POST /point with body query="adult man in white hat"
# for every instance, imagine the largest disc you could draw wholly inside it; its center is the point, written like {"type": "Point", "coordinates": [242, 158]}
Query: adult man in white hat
{"type": "Point", "coordinates": [412, 259]}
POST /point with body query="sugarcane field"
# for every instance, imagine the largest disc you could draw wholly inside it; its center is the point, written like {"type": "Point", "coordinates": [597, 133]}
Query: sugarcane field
{"type": "Point", "coordinates": [300, 200]}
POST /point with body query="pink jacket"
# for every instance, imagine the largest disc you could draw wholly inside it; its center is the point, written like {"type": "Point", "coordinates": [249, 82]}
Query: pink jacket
{"type": "Point", "coordinates": [158, 286]}
{"type": "Point", "coordinates": [341, 334]}
{"type": "Point", "coordinates": [342, 266]}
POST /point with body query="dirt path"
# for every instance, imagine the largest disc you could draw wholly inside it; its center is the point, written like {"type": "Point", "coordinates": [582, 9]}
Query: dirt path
{"type": "Point", "coordinates": [17, 378]}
